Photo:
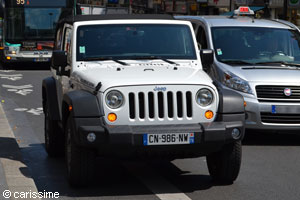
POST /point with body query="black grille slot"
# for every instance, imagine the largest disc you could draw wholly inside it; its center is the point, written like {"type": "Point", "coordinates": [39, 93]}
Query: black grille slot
{"type": "Point", "coordinates": [151, 105]}
{"type": "Point", "coordinates": [142, 105]}
{"type": "Point", "coordinates": [189, 109]}
{"type": "Point", "coordinates": [277, 92]}
{"type": "Point", "coordinates": [179, 104]}
{"type": "Point", "coordinates": [170, 105]}
{"type": "Point", "coordinates": [131, 106]}
{"type": "Point", "coordinates": [162, 105]}
{"type": "Point", "coordinates": [160, 98]}
{"type": "Point", "coordinates": [280, 118]}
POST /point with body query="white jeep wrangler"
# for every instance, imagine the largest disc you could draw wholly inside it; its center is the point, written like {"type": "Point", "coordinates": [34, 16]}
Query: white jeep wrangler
{"type": "Point", "coordinates": [133, 85]}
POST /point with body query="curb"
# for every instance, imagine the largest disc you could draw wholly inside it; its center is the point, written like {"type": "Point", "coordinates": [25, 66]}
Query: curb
{"type": "Point", "coordinates": [17, 174]}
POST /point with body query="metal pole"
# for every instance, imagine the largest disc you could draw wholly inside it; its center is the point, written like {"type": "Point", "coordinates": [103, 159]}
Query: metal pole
{"type": "Point", "coordinates": [174, 5]}
{"type": "Point", "coordinates": [285, 9]}
{"type": "Point", "coordinates": [130, 6]}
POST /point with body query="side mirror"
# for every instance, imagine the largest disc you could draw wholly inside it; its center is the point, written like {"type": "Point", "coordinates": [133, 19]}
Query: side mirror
{"type": "Point", "coordinates": [59, 59]}
{"type": "Point", "coordinates": [207, 58]}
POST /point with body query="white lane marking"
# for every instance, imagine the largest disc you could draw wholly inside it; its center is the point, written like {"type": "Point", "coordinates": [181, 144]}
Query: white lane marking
{"type": "Point", "coordinates": [18, 87]}
{"type": "Point", "coordinates": [7, 71]}
{"type": "Point", "coordinates": [21, 109]}
{"type": "Point", "coordinates": [37, 111]}
{"type": "Point", "coordinates": [157, 184]}
{"type": "Point", "coordinates": [34, 111]}
{"type": "Point", "coordinates": [22, 90]}
{"type": "Point", "coordinates": [13, 77]}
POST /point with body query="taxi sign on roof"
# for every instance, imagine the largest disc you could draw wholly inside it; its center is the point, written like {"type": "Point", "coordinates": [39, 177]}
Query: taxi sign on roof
{"type": "Point", "coordinates": [243, 10]}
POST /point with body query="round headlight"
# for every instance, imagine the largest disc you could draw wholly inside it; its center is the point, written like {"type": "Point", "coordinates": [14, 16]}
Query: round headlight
{"type": "Point", "coordinates": [114, 99]}
{"type": "Point", "coordinates": [204, 97]}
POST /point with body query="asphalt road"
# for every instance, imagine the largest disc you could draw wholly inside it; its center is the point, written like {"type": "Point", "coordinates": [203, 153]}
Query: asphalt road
{"type": "Point", "coordinates": [270, 167]}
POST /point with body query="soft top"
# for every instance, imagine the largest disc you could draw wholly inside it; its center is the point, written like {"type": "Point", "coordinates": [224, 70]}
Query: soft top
{"type": "Point", "coordinates": [80, 18]}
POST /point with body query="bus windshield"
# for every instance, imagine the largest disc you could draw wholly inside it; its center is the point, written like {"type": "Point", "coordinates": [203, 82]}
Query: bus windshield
{"type": "Point", "coordinates": [31, 23]}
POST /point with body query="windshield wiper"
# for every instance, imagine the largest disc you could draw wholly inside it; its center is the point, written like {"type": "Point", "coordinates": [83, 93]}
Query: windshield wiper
{"type": "Point", "coordinates": [104, 59]}
{"type": "Point", "coordinates": [236, 62]}
{"type": "Point", "coordinates": [277, 62]}
{"type": "Point", "coordinates": [153, 58]}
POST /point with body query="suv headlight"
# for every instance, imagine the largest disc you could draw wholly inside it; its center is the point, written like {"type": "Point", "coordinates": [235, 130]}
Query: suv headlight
{"type": "Point", "coordinates": [234, 82]}
{"type": "Point", "coordinates": [204, 97]}
{"type": "Point", "coordinates": [114, 99]}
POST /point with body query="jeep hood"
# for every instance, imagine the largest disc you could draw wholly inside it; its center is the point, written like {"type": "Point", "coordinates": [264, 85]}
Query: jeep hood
{"type": "Point", "coordinates": [141, 75]}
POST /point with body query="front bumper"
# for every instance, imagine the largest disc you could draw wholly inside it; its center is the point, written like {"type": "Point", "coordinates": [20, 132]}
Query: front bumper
{"type": "Point", "coordinates": [255, 109]}
{"type": "Point", "coordinates": [27, 57]}
{"type": "Point", "coordinates": [128, 140]}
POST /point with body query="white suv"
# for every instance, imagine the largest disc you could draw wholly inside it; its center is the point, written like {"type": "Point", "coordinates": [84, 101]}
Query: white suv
{"type": "Point", "coordinates": [133, 85]}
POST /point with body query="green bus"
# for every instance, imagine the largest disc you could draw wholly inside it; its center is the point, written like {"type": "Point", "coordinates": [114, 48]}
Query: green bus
{"type": "Point", "coordinates": [27, 28]}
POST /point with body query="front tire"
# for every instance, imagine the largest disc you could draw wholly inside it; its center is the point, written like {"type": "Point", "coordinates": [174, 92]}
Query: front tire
{"type": "Point", "coordinates": [224, 165]}
{"type": "Point", "coordinates": [54, 138]}
{"type": "Point", "coordinates": [80, 162]}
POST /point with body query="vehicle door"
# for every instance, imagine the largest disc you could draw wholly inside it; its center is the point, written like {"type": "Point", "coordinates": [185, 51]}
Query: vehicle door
{"type": "Point", "coordinates": [200, 33]}
{"type": "Point", "coordinates": [63, 78]}
{"type": "Point", "coordinates": [202, 37]}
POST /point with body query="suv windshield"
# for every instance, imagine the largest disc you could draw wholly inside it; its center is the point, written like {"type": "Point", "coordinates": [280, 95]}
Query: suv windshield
{"type": "Point", "coordinates": [242, 45]}
{"type": "Point", "coordinates": [31, 23]}
{"type": "Point", "coordinates": [135, 41]}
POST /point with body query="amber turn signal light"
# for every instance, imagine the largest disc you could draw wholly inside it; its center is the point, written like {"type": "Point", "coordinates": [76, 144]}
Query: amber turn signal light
{"type": "Point", "coordinates": [209, 114]}
{"type": "Point", "coordinates": [112, 117]}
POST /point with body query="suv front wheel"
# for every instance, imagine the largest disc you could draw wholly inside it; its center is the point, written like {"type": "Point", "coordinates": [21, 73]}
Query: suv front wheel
{"type": "Point", "coordinates": [224, 165]}
{"type": "Point", "coordinates": [80, 162]}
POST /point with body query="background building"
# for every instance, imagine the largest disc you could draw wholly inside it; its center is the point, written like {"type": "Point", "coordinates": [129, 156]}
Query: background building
{"type": "Point", "coordinates": [264, 8]}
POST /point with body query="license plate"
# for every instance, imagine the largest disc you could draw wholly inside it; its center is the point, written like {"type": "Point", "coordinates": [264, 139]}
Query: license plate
{"type": "Point", "coordinates": [41, 60]}
{"type": "Point", "coordinates": [283, 109]}
{"type": "Point", "coordinates": [168, 138]}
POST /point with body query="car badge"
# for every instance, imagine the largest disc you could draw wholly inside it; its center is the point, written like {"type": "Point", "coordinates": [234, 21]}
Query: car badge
{"type": "Point", "coordinates": [287, 92]}
{"type": "Point", "coordinates": [160, 89]}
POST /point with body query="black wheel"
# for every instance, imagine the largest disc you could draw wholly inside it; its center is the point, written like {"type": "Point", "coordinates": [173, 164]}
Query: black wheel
{"type": "Point", "coordinates": [224, 165]}
{"type": "Point", "coordinates": [54, 138]}
{"type": "Point", "coordinates": [80, 162]}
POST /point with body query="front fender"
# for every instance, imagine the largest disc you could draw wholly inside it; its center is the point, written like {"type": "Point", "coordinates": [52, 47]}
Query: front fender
{"type": "Point", "coordinates": [230, 102]}
{"type": "Point", "coordinates": [83, 103]}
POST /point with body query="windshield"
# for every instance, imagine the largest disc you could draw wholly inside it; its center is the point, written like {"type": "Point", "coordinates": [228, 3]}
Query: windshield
{"type": "Point", "coordinates": [242, 45]}
{"type": "Point", "coordinates": [134, 41]}
{"type": "Point", "coordinates": [31, 23]}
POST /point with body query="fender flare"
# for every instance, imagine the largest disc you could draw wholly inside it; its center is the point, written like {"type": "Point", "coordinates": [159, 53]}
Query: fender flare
{"type": "Point", "coordinates": [49, 95]}
{"type": "Point", "coordinates": [231, 102]}
{"type": "Point", "coordinates": [84, 105]}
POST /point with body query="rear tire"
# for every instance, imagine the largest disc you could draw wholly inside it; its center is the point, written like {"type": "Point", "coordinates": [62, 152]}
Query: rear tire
{"type": "Point", "coordinates": [80, 162]}
{"type": "Point", "coordinates": [54, 138]}
{"type": "Point", "coordinates": [224, 165]}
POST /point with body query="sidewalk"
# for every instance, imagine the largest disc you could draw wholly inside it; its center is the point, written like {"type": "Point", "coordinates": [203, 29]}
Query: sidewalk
{"type": "Point", "coordinates": [14, 174]}
{"type": "Point", "coordinates": [3, 184]}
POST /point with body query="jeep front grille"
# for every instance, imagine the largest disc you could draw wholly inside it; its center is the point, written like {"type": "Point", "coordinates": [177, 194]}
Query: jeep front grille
{"type": "Point", "coordinates": [160, 105]}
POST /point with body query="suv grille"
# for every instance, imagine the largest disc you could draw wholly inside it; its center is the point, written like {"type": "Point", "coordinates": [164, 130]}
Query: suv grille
{"type": "Point", "coordinates": [160, 105]}
{"type": "Point", "coordinates": [277, 92]}
{"type": "Point", "coordinates": [280, 118]}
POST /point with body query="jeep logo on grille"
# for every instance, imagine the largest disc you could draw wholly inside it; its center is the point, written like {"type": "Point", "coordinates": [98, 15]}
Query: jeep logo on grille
{"type": "Point", "coordinates": [287, 92]}
{"type": "Point", "coordinates": [160, 89]}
